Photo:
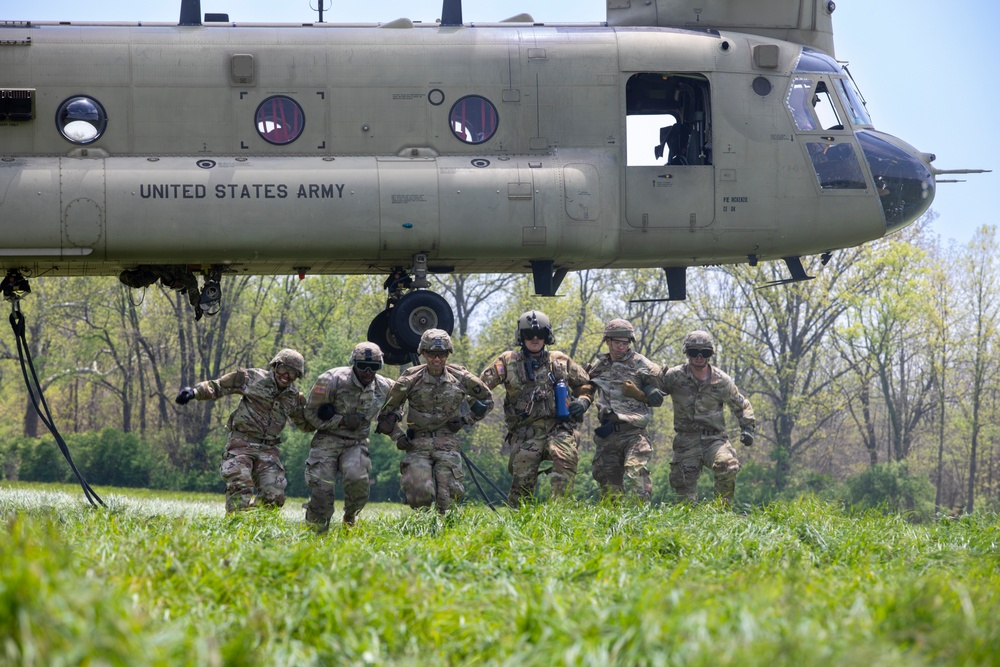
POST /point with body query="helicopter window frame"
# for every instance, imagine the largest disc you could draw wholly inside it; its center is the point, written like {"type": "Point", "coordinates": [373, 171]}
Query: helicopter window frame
{"type": "Point", "coordinates": [813, 106]}
{"type": "Point", "coordinates": [670, 113]}
{"type": "Point", "coordinates": [850, 97]}
{"type": "Point", "coordinates": [286, 117]}
{"type": "Point", "coordinates": [466, 127]}
{"type": "Point", "coordinates": [81, 119]}
{"type": "Point", "coordinates": [836, 165]}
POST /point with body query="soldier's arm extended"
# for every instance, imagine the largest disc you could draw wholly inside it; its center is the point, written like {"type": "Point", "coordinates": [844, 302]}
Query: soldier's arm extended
{"type": "Point", "coordinates": [581, 386]}
{"type": "Point", "coordinates": [480, 397]}
{"type": "Point", "coordinates": [228, 384]}
{"type": "Point", "coordinates": [298, 414]}
{"type": "Point", "coordinates": [391, 414]}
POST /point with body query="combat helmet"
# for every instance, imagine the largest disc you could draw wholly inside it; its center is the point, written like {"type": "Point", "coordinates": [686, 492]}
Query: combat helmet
{"type": "Point", "coordinates": [699, 340]}
{"type": "Point", "coordinates": [290, 358]}
{"type": "Point", "coordinates": [435, 340]}
{"type": "Point", "coordinates": [366, 352]}
{"type": "Point", "coordinates": [619, 328]}
{"type": "Point", "coordinates": [534, 323]}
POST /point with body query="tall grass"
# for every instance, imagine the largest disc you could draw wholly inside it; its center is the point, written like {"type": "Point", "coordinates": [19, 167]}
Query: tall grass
{"type": "Point", "coordinates": [169, 581]}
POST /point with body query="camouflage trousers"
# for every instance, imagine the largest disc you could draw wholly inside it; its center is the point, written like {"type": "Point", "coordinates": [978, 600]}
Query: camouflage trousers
{"type": "Point", "coordinates": [431, 472]}
{"type": "Point", "coordinates": [692, 451]}
{"type": "Point", "coordinates": [620, 462]}
{"type": "Point", "coordinates": [330, 456]}
{"type": "Point", "coordinates": [250, 468]}
{"type": "Point", "coordinates": [531, 446]}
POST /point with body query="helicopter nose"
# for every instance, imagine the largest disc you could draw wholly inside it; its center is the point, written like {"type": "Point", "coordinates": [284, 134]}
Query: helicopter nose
{"type": "Point", "coordinates": [902, 178]}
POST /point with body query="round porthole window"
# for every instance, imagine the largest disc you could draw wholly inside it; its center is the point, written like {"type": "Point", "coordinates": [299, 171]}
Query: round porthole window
{"type": "Point", "coordinates": [81, 120]}
{"type": "Point", "coordinates": [279, 120]}
{"type": "Point", "coordinates": [473, 119]}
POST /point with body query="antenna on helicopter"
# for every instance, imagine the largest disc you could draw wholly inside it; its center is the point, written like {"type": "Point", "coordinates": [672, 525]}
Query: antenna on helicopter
{"type": "Point", "coordinates": [451, 12]}
{"type": "Point", "coordinates": [321, 8]}
{"type": "Point", "coordinates": [190, 12]}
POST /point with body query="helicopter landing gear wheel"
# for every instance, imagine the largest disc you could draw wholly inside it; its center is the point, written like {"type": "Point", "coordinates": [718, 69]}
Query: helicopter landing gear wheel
{"type": "Point", "coordinates": [380, 334]}
{"type": "Point", "coordinates": [417, 312]}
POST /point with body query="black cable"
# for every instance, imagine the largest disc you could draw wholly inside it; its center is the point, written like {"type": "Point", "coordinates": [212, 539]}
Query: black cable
{"type": "Point", "coordinates": [476, 482]}
{"type": "Point", "coordinates": [474, 467]}
{"type": "Point", "coordinates": [38, 401]}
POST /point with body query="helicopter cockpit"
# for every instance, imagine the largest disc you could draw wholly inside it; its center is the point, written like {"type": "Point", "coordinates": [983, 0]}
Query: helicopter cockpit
{"type": "Point", "coordinates": [829, 111]}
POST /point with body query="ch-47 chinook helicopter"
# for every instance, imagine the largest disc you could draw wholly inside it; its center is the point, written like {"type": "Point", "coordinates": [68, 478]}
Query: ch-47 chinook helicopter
{"type": "Point", "coordinates": [677, 133]}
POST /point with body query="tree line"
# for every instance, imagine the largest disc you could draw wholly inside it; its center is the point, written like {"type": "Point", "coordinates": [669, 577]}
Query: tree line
{"type": "Point", "coordinates": [882, 368]}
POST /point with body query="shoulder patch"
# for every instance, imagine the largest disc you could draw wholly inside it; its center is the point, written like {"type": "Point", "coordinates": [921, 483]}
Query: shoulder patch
{"type": "Point", "coordinates": [319, 390]}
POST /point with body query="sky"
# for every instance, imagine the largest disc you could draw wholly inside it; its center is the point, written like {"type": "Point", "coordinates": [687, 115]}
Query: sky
{"type": "Point", "coordinates": [920, 64]}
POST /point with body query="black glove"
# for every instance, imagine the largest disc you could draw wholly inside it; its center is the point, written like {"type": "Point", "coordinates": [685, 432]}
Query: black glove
{"type": "Point", "coordinates": [577, 407]}
{"type": "Point", "coordinates": [454, 425]}
{"type": "Point", "coordinates": [653, 396]}
{"type": "Point", "coordinates": [403, 443]}
{"type": "Point", "coordinates": [325, 412]}
{"type": "Point", "coordinates": [386, 425]}
{"type": "Point", "coordinates": [184, 395]}
{"type": "Point", "coordinates": [746, 437]}
{"type": "Point", "coordinates": [605, 429]}
{"type": "Point", "coordinates": [478, 408]}
{"type": "Point", "coordinates": [352, 421]}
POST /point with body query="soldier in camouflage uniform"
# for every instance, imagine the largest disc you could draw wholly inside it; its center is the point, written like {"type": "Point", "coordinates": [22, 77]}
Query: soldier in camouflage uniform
{"type": "Point", "coordinates": [436, 390]}
{"type": "Point", "coordinates": [535, 431]}
{"type": "Point", "coordinates": [251, 464]}
{"type": "Point", "coordinates": [699, 392]}
{"type": "Point", "coordinates": [623, 448]}
{"type": "Point", "coordinates": [341, 406]}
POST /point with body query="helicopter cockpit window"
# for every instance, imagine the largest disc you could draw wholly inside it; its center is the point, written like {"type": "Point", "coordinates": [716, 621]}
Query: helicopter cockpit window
{"type": "Point", "coordinates": [473, 119]}
{"type": "Point", "coordinates": [279, 120]}
{"type": "Point", "coordinates": [836, 165]}
{"type": "Point", "coordinates": [668, 120]}
{"type": "Point", "coordinates": [811, 60]}
{"type": "Point", "coordinates": [851, 98]}
{"type": "Point", "coordinates": [81, 120]}
{"type": "Point", "coordinates": [812, 106]}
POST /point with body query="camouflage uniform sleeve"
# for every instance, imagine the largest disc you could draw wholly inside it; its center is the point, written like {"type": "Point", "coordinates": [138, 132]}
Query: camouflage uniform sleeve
{"type": "Point", "coordinates": [228, 384]}
{"type": "Point", "coordinates": [298, 414]}
{"type": "Point", "coordinates": [741, 408]}
{"type": "Point", "coordinates": [579, 381]}
{"type": "Point", "coordinates": [322, 392]}
{"type": "Point", "coordinates": [476, 389]}
{"type": "Point", "coordinates": [649, 375]}
{"type": "Point", "coordinates": [496, 373]}
{"type": "Point", "coordinates": [398, 395]}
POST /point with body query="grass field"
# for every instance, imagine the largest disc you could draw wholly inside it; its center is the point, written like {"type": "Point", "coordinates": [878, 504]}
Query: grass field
{"type": "Point", "coordinates": [170, 580]}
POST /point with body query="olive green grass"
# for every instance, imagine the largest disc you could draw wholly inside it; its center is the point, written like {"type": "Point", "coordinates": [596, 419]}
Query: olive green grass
{"type": "Point", "coordinates": [169, 579]}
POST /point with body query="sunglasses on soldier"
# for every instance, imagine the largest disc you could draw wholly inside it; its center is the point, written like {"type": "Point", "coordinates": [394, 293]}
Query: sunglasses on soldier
{"type": "Point", "coordinates": [370, 366]}
{"type": "Point", "coordinates": [704, 354]}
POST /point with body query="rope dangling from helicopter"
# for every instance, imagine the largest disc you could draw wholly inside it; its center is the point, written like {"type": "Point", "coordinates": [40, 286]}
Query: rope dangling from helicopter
{"type": "Point", "coordinates": [14, 287]}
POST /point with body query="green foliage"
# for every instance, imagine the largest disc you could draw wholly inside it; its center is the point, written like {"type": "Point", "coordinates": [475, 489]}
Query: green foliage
{"type": "Point", "coordinates": [893, 487]}
{"type": "Point", "coordinates": [112, 458]}
{"type": "Point", "coordinates": [43, 462]}
{"type": "Point", "coordinates": [158, 580]}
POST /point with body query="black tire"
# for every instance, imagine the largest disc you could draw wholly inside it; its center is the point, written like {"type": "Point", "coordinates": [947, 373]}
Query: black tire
{"type": "Point", "coordinates": [417, 312]}
{"type": "Point", "coordinates": [379, 333]}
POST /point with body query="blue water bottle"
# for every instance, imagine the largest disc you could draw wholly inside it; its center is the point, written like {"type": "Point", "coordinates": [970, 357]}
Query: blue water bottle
{"type": "Point", "coordinates": [562, 400]}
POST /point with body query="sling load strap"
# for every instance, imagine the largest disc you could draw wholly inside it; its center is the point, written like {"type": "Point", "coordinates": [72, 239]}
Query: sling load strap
{"type": "Point", "coordinates": [473, 469]}
{"type": "Point", "coordinates": [38, 399]}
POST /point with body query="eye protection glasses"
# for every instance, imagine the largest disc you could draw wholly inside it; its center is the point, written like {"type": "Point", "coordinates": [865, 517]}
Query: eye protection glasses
{"type": "Point", "coordinates": [370, 366]}
{"type": "Point", "coordinates": [287, 371]}
{"type": "Point", "coordinates": [704, 354]}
